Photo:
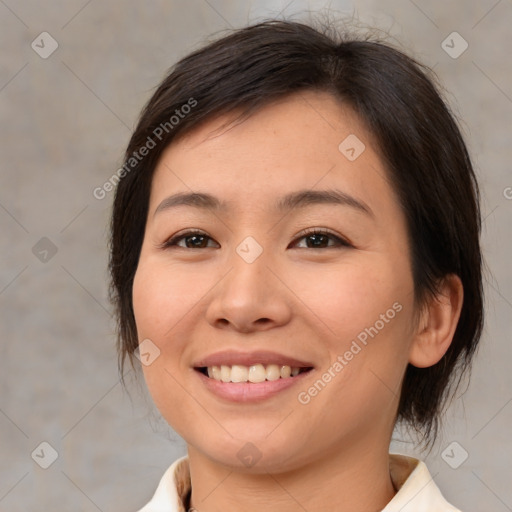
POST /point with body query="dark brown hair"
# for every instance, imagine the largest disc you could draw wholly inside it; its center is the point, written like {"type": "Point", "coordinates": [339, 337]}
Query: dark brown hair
{"type": "Point", "coordinates": [419, 141]}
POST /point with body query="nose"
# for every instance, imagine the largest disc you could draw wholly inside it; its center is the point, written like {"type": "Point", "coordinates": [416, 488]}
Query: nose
{"type": "Point", "coordinates": [250, 298]}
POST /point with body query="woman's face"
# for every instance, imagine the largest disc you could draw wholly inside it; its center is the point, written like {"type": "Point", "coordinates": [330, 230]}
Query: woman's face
{"type": "Point", "coordinates": [298, 257]}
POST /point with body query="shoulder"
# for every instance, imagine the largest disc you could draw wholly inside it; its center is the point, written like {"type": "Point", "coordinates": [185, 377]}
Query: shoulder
{"type": "Point", "coordinates": [416, 488]}
{"type": "Point", "coordinates": [173, 489]}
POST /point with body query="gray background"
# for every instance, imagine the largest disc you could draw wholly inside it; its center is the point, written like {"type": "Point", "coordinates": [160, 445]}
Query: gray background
{"type": "Point", "coordinates": [65, 122]}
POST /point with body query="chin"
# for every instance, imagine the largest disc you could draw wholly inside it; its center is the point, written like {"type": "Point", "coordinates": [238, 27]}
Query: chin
{"type": "Point", "coordinates": [256, 457]}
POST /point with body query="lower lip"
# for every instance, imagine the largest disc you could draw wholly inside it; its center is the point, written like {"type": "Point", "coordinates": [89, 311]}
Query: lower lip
{"type": "Point", "coordinates": [249, 391]}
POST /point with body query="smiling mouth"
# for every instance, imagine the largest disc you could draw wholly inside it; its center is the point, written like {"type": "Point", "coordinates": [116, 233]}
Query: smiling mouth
{"type": "Point", "coordinates": [254, 374]}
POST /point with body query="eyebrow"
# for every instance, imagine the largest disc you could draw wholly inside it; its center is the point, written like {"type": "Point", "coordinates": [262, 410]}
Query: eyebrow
{"type": "Point", "coordinates": [299, 199]}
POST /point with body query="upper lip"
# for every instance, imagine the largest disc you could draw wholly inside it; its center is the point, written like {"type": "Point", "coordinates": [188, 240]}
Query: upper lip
{"type": "Point", "coordinates": [231, 357]}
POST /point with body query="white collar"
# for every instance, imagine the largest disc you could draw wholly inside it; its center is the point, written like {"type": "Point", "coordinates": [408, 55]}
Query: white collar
{"type": "Point", "coordinates": [417, 491]}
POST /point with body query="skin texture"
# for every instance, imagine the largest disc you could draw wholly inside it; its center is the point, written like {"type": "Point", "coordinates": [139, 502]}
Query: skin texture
{"type": "Point", "coordinates": [308, 303]}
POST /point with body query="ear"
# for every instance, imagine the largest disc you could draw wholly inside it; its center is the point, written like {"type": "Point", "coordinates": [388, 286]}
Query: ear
{"type": "Point", "coordinates": [437, 323]}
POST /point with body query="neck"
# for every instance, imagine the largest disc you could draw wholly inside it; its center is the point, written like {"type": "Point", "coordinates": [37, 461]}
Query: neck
{"type": "Point", "coordinates": [355, 480]}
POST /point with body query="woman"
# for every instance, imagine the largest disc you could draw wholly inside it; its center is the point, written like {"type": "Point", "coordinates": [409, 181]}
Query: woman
{"type": "Point", "coordinates": [295, 261]}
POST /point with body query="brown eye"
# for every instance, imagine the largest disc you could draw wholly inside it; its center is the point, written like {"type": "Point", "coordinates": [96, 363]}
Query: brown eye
{"type": "Point", "coordinates": [191, 240]}
{"type": "Point", "coordinates": [320, 240]}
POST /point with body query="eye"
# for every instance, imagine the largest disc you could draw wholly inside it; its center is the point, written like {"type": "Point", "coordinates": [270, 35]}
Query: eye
{"type": "Point", "coordinates": [190, 240]}
{"type": "Point", "coordinates": [310, 239]}
{"type": "Point", "coordinates": [320, 239]}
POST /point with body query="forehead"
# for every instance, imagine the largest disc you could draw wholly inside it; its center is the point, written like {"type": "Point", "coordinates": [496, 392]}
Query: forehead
{"type": "Point", "coordinates": [314, 117]}
{"type": "Point", "coordinates": [304, 141]}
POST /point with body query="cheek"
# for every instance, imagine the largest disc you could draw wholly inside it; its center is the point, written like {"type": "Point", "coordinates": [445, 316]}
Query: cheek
{"type": "Point", "coordinates": [150, 300]}
{"type": "Point", "coordinates": [162, 302]}
{"type": "Point", "coordinates": [345, 299]}
{"type": "Point", "coordinates": [158, 304]}
{"type": "Point", "coordinates": [168, 304]}
{"type": "Point", "coordinates": [359, 388]}
{"type": "Point", "coordinates": [362, 313]}
{"type": "Point", "coordinates": [162, 298]}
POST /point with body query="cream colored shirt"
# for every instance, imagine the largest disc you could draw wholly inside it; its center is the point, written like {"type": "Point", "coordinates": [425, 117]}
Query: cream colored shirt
{"type": "Point", "coordinates": [417, 491]}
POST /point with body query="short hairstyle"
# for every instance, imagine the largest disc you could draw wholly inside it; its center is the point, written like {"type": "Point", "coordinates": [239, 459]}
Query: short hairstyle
{"type": "Point", "coordinates": [417, 139]}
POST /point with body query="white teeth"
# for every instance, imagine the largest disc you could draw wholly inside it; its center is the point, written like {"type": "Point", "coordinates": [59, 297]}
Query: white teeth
{"type": "Point", "coordinates": [286, 371]}
{"type": "Point", "coordinates": [225, 374]}
{"type": "Point", "coordinates": [255, 373]}
{"type": "Point", "coordinates": [215, 372]}
{"type": "Point", "coordinates": [273, 372]}
{"type": "Point", "coordinates": [239, 373]}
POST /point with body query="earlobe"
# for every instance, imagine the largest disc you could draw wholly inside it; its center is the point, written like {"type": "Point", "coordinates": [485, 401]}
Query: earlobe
{"type": "Point", "coordinates": [437, 324]}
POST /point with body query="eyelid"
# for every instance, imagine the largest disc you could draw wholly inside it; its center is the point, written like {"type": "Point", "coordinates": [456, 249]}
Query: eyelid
{"type": "Point", "coordinates": [180, 235]}
{"type": "Point", "coordinates": [342, 241]}
{"type": "Point", "coordinates": [174, 239]}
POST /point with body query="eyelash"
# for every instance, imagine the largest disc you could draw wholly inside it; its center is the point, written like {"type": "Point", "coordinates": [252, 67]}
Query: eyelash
{"type": "Point", "coordinates": [340, 242]}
